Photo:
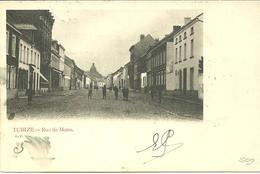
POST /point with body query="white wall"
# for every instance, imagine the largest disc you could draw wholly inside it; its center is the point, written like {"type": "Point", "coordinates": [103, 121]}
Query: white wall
{"type": "Point", "coordinates": [190, 62]}
{"type": "Point", "coordinates": [169, 66]}
{"type": "Point", "coordinates": [34, 57]}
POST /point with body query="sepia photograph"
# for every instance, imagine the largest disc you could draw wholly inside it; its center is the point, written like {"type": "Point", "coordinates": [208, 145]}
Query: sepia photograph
{"type": "Point", "coordinates": [129, 86]}
{"type": "Point", "coordinates": [68, 64]}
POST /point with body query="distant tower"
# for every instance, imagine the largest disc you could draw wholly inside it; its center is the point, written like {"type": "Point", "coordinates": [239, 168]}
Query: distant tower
{"type": "Point", "coordinates": [93, 69]}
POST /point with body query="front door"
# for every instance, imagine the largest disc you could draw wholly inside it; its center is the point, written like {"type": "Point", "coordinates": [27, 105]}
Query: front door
{"type": "Point", "coordinates": [184, 79]}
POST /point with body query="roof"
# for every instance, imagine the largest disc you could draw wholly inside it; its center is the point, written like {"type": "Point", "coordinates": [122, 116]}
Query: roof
{"type": "Point", "coordinates": [142, 46]}
{"type": "Point", "coordinates": [13, 27]}
{"type": "Point", "coordinates": [68, 61]}
{"type": "Point", "coordinates": [92, 75]}
{"type": "Point", "coordinates": [25, 26]}
{"type": "Point", "coordinates": [197, 18]}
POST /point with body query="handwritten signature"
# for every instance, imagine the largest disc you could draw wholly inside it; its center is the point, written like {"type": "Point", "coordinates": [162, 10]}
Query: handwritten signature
{"type": "Point", "coordinates": [247, 161]}
{"type": "Point", "coordinates": [160, 143]}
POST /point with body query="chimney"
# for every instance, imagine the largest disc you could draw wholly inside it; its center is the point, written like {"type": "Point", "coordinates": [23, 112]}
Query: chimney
{"type": "Point", "coordinates": [175, 28]}
{"type": "Point", "coordinates": [187, 20]}
{"type": "Point", "coordinates": [141, 36]}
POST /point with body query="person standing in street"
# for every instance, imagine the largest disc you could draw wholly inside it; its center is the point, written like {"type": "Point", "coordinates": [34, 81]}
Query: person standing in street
{"type": "Point", "coordinates": [116, 92]}
{"type": "Point", "coordinates": [30, 92]}
{"type": "Point", "coordinates": [126, 94]}
{"type": "Point", "coordinates": [160, 94]}
{"type": "Point", "coordinates": [152, 92]}
{"type": "Point", "coordinates": [104, 90]}
{"type": "Point", "coordinates": [90, 92]}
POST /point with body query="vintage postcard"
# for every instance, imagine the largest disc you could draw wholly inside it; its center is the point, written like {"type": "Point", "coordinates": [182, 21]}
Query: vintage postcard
{"type": "Point", "coordinates": [136, 86]}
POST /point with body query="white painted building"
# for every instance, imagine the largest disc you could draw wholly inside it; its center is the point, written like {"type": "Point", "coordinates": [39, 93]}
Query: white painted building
{"type": "Point", "coordinates": [188, 50]}
{"type": "Point", "coordinates": [28, 54]}
{"type": "Point", "coordinates": [61, 65]}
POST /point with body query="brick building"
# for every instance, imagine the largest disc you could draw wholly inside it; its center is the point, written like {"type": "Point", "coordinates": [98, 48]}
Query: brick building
{"type": "Point", "coordinates": [137, 62]}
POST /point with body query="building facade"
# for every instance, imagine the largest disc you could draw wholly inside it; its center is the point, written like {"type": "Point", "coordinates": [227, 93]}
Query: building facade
{"type": "Point", "coordinates": [68, 71]}
{"type": "Point", "coordinates": [137, 61]}
{"type": "Point", "coordinates": [12, 57]}
{"type": "Point", "coordinates": [188, 51]}
{"type": "Point", "coordinates": [29, 55]}
{"type": "Point", "coordinates": [43, 21]}
{"type": "Point", "coordinates": [109, 81]}
{"type": "Point", "coordinates": [61, 51]}
{"type": "Point", "coordinates": [158, 64]}
{"type": "Point", "coordinates": [55, 72]}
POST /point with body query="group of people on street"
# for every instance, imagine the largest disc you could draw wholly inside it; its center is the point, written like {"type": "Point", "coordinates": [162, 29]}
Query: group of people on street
{"type": "Point", "coordinates": [125, 92]}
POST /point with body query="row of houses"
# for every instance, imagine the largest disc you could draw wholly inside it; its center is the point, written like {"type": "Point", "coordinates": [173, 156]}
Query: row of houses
{"type": "Point", "coordinates": [173, 64]}
{"type": "Point", "coordinates": [31, 51]}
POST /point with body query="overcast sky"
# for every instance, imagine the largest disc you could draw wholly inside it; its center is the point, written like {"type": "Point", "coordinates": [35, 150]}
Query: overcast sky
{"type": "Point", "coordinates": [105, 36]}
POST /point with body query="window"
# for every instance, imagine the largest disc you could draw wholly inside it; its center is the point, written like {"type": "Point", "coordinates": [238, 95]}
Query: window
{"type": "Point", "coordinates": [176, 40]}
{"type": "Point", "coordinates": [176, 55]}
{"type": "Point", "coordinates": [27, 58]}
{"type": "Point", "coordinates": [21, 53]}
{"type": "Point", "coordinates": [11, 77]}
{"type": "Point", "coordinates": [191, 48]}
{"type": "Point", "coordinates": [185, 35]}
{"type": "Point", "coordinates": [191, 78]}
{"type": "Point", "coordinates": [180, 38]}
{"type": "Point", "coordinates": [180, 54]}
{"type": "Point", "coordinates": [39, 61]}
{"type": "Point", "coordinates": [185, 46]}
{"type": "Point", "coordinates": [7, 42]}
{"type": "Point", "coordinates": [35, 60]}
{"type": "Point", "coordinates": [32, 57]}
{"type": "Point", "coordinates": [191, 30]}
{"type": "Point", "coordinates": [24, 55]}
{"type": "Point", "coordinates": [13, 45]}
{"type": "Point", "coordinates": [163, 57]}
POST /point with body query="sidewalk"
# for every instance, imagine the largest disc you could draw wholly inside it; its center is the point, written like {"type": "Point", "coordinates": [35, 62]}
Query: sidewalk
{"type": "Point", "coordinates": [173, 105]}
{"type": "Point", "coordinates": [20, 104]}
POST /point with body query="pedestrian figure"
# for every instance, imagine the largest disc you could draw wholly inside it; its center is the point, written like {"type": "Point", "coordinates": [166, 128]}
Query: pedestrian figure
{"type": "Point", "coordinates": [126, 93]}
{"type": "Point", "coordinates": [160, 95]}
{"type": "Point", "coordinates": [104, 90]}
{"type": "Point", "coordinates": [29, 91]}
{"type": "Point", "coordinates": [116, 92]}
{"type": "Point", "coordinates": [152, 92]}
{"type": "Point", "coordinates": [123, 91]}
{"type": "Point", "coordinates": [90, 92]}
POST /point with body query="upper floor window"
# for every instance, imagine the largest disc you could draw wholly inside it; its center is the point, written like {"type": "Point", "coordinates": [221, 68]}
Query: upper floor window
{"type": "Point", "coordinates": [35, 59]}
{"type": "Point", "coordinates": [191, 30]}
{"type": "Point", "coordinates": [180, 38]}
{"type": "Point", "coordinates": [7, 42]}
{"type": "Point", "coordinates": [27, 56]}
{"type": "Point", "coordinates": [32, 59]}
{"type": "Point", "coordinates": [176, 40]}
{"type": "Point", "coordinates": [176, 55]}
{"type": "Point", "coordinates": [185, 35]}
{"type": "Point", "coordinates": [180, 54]}
{"type": "Point", "coordinates": [21, 53]}
{"type": "Point", "coordinates": [24, 54]}
{"type": "Point", "coordinates": [191, 47]}
{"type": "Point", "coordinates": [13, 45]}
{"type": "Point", "coordinates": [185, 47]}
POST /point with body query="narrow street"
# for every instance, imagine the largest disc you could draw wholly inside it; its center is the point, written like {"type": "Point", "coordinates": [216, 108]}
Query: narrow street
{"type": "Point", "coordinates": [75, 104]}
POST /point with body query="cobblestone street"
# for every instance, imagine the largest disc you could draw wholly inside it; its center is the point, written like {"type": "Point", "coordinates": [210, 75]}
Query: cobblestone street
{"type": "Point", "coordinates": [75, 104]}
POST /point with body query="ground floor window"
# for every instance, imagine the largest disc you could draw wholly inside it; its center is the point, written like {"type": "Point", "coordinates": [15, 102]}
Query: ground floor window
{"type": "Point", "coordinates": [11, 77]}
{"type": "Point", "coordinates": [23, 79]}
